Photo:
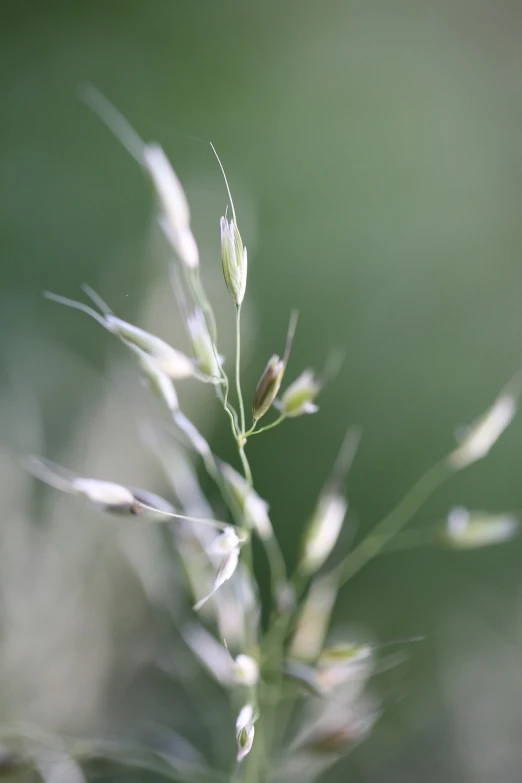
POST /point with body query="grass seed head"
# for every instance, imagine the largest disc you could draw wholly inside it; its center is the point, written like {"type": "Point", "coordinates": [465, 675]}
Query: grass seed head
{"type": "Point", "coordinates": [204, 349]}
{"type": "Point", "coordinates": [234, 260]}
{"type": "Point", "coordinates": [473, 529]}
{"type": "Point", "coordinates": [249, 502]}
{"type": "Point", "coordinates": [246, 670]}
{"type": "Point", "coordinates": [159, 382]}
{"type": "Point", "coordinates": [299, 397]}
{"type": "Point", "coordinates": [323, 531]}
{"type": "Point", "coordinates": [483, 435]}
{"type": "Point", "coordinates": [268, 387]}
{"type": "Point", "coordinates": [173, 363]}
{"type": "Point", "coordinates": [245, 732]}
{"type": "Point", "coordinates": [173, 203]}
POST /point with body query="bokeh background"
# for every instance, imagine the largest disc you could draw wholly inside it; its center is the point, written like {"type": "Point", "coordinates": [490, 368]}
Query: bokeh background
{"type": "Point", "coordinates": [374, 152]}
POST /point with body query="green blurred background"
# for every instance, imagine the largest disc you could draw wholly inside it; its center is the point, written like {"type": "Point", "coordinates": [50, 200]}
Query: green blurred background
{"type": "Point", "coordinates": [374, 152]}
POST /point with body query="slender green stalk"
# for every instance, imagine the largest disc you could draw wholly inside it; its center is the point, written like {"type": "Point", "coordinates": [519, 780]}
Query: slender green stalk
{"type": "Point", "coordinates": [255, 431]}
{"type": "Point", "coordinates": [246, 466]}
{"type": "Point", "coordinates": [200, 295]}
{"type": "Point", "coordinates": [172, 515]}
{"type": "Point", "coordinates": [258, 763]}
{"type": "Point", "coordinates": [229, 410]}
{"type": "Point", "coordinates": [238, 370]}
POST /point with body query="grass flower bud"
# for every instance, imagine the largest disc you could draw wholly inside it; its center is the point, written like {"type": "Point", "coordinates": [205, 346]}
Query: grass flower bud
{"type": "Point", "coordinates": [482, 435]}
{"type": "Point", "coordinates": [246, 670]}
{"type": "Point", "coordinates": [170, 193]}
{"type": "Point", "coordinates": [342, 723]}
{"type": "Point", "coordinates": [340, 663]}
{"type": "Point", "coordinates": [250, 504]}
{"type": "Point", "coordinates": [314, 618]}
{"type": "Point", "coordinates": [473, 529]}
{"type": "Point", "coordinates": [159, 382]}
{"type": "Point", "coordinates": [345, 654]}
{"type": "Point", "coordinates": [226, 542]}
{"type": "Point", "coordinates": [202, 345]}
{"type": "Point", "coordinates": [173, 203]}
{"type": "Point", "coordinates": [245, 732]}
{"type": "Point", "coordinates": [334, 667]}
{"type": "Point", "coordinates": [257, 514]}
{"type": "Point", "coordinates": [226, 569]}
{"type": "Point", "coordinates": [339, 740]}
{"type": "Point", "coordinates": [103, 495]}
{"type": "Point", "coordinates": [173, 363]}
{"type": "Point", "coordinates": [323, 531]}
{"type": "Point", "coordinates": [234, 260]}
{"type": "Point", "coordinates": [272, 377]}
{"type": "Point", "coordinates": [268, 387]}
{"type": "Point", "coordinates": [299, 398]}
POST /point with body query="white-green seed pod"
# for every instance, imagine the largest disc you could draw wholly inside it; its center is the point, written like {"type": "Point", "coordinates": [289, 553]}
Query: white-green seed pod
{"type": "Point", "coordinates": [246, 670]}
{"type": "Point", "coordinates": [226, 569]}
{"type": "Point", "coordinates": [182, 242]}
{"type": "Point", "coordinates": [314, 619]}
{"type": "Point", "coordinates": [338, 724]}
{"type": "Point", "coordinates": [234, 260]}
{"type": "Point", "coordinates": [339, 739]}
{"type": "Point", "coordinates": [159, 382]}
{"type": "Point", "coordinates": [482, 435]}
{"type": "Point", "coordinates": [226, 542]}
{"type": "Point", "coordinates": [103, 495]}
{"type": "Point", "coordinates": [245, 732]}
{"type": "Point", "coordinates": [170, 361]}
{"type": "Point", "coordinates": [342, 663]}
{"type": "Point", "coordinates": [323, 531]}
{"type": "Point", "coordinates": [300, 396]}
{"type": "Point", "coordinates": [173, 363]}
{"type": "Point", "coordinates": [204, 350]}
{"type": "Point", "coordinates": [196, 439]}
{"type": "Point", "coordinates": [272, 377]}
{"type": "Point", "coordinates": [268, 387]}
{"type": "Point", "coordinates": [249, 502]}
{"type": "Point", "coordinates": [333, 726]}
{"type": "Point", "coordinates": [173, 204]}
{"type": "Point", "coordinates": [473, 529]}
{"type": "Point", "coordinates": [257, 514]}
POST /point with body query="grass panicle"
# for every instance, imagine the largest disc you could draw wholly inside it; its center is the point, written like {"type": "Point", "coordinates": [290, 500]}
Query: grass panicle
{"type": "Point", "coordinates": [288, 664]}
